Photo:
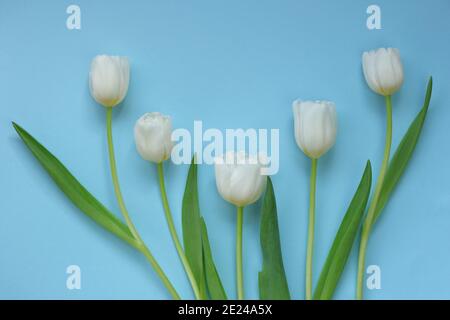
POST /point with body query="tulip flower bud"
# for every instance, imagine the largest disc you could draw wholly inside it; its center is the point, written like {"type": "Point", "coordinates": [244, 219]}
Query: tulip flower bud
{"type": "Point", "coordinates": [239, 179]}
{"type": "Point", "coordinates": [152, 134]}
{"type": "Point", "coordinates": [315, 125]}
{"type": "Point", "coordinates": [108, 79]}
{"type": "Point", "coordinates": [383, 70]}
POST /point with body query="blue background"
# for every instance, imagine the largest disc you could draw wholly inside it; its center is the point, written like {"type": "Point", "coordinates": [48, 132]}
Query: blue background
{"type": "Point", "coordinates": [231, 64]}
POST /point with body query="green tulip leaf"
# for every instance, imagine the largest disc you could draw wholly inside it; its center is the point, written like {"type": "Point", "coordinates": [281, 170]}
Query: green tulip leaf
{"type": "Point", "coordinates": [76, 193]}
{"type": "Point", "coordinates": [345, 237]}
{"type": "Point", "coordinates": [196, 242]}
{"type": "Point", "coordinates": [272, 280]}
{"type": "Point", "coordinates": [192, 229]}
{"type": "Point", "coordinates": [404, 151]}
{"type": "Point", "coordinates": [215, 287]}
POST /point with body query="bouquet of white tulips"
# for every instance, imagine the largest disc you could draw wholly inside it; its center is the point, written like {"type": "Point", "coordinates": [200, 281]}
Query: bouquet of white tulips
{"type": "Point", "coordinates": [241, 181]}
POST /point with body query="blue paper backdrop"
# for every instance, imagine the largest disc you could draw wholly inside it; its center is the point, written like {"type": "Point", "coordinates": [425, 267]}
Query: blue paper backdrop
{"type": "Point", "coordinates": [231, 64]}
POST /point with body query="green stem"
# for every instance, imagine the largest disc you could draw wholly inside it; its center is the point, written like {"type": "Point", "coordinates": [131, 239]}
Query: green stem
{"type": "Point", "coordinates": [310, 247]}
{"type": "Point", "coordinates": [148, 255]}
{"type": "Point", "coordinates": [143, 248]}
{"type": "Point", "coordinates": [173, 233]}
{"type": "Point", "coordinates": [368, 222]}
{"type": "Point", "coordinates": [239, 271]}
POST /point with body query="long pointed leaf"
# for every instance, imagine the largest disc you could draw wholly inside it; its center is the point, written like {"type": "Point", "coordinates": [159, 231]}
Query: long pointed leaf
{"type": "Point", "coordinates": [215, 287]}
{"type": "Point", "coordinates": [78, 194]}
{"type": "Point", "coordinates": [403, 153]}
{"type": "Point", "coordinates": [272, 278]}
{"type": "Point", "coordinates": [192, 230]}
{"type": "Point", "coordinates": [345, 237]}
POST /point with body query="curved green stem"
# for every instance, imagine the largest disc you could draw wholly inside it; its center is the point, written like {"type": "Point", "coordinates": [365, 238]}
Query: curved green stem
{"type": "Point", "coordinates": [310, 246]}
{"type": "Point", "coordinates": [368, 222]}
{"type": "Point", "coordinates": [143, 248]}
{"type": "Point", "coordinates": [148, 255]}
{"type": "Point", "coordinates": [173, 233]}
{"type": "Point", "coordinates": [239, 271]}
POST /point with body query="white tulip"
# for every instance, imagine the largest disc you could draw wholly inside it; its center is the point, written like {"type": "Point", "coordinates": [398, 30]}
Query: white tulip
{"type": "Point", "coordinates": [152, 134]}
{"type": "Point", "coordinates": [239, 179]}
{"type": "Point", "coordinates": [108, 79]}
{"type": "Point", "coordinates": [315, 124]}
{"type": "Point", "coordinates": [383, 70]}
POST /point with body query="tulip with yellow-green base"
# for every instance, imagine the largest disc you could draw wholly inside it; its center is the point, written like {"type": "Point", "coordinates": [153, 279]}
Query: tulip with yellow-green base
{"type": "Point", "coordinates": [108, 81]}
{"type": "Point", "coordinates": [383, 72]}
